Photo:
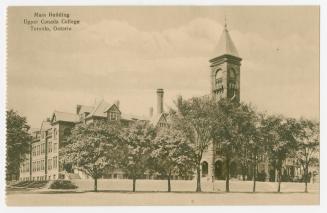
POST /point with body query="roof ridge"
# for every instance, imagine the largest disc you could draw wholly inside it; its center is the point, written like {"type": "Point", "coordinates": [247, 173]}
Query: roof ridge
{"type": "Point", "coordinates": [96, 107]}
{"type": "Point", "coordinates": [64, 112]}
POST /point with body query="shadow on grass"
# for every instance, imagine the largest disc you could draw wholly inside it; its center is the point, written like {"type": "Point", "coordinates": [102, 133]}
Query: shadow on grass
{"type": "Point", "coordinates": [163, 192]}
{"type": "Point", "coordinates": [70, 191]}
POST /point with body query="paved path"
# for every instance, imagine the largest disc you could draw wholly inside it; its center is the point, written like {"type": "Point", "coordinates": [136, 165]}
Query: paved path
{"type": "Point", "coordinates": [161, 198]}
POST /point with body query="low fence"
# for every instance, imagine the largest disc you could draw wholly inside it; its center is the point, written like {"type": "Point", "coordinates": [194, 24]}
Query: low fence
{"type": "Point", "coordinates": [190, 185]}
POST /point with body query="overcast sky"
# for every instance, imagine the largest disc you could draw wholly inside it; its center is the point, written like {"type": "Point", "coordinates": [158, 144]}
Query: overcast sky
{"type": "Point", "coordinates": [126, 53]}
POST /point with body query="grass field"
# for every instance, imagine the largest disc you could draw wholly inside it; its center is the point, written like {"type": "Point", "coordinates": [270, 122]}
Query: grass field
{"type": "Point", "coordinates": [152, 192]}
{"type": "Point", "coordinates": [189, 186]}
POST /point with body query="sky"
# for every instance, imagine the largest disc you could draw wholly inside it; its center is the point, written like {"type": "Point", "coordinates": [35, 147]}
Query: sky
{"type": "Point", "coordinates": [126, 53]}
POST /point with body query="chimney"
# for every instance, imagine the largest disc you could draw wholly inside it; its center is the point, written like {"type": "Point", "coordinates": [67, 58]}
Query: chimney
{"type": "Point", "coordinates": [151, 112]}
{"type": "Point", "coordinates": [160, 94]}
{"type": "Point", "coordinates": [117, 103]}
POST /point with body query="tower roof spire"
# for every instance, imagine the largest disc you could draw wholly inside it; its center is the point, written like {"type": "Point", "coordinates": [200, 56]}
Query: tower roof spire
{"type": "Point", "coordinates": [226, 45]}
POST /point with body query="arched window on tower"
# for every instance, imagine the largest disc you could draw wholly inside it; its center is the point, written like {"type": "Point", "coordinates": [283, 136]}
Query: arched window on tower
{"type": "Point", "coordinates": [232, 80]}
{"type": "Point", "coordinates": [219, 88]}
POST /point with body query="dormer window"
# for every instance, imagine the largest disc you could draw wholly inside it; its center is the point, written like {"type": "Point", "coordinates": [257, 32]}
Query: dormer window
{"type": "Point", "coordinates": [113, 116]}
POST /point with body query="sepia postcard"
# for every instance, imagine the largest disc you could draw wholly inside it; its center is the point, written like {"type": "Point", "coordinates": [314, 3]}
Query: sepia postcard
{"type": "Point", "coordinates": [162, 105]}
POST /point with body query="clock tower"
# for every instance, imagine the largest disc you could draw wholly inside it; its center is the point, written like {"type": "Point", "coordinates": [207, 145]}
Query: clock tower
{"type": "Point", "coordinates": [225, 69]}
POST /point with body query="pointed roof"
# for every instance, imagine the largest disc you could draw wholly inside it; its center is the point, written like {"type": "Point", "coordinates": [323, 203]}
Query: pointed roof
{"type": "Point", "coordinates": [226, 45]}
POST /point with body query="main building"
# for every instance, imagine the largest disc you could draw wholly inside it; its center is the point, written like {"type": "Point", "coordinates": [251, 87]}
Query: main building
{"type": "Point", "coordinates": [42, 163]}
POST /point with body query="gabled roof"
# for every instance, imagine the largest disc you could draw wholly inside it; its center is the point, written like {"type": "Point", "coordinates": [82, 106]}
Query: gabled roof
{"type": "Point", "coordinates": [226, 45]}
{"type": "Point", "coordinates": [64, 116]}
{"type": "Point", "coordinates": [112, 107]}
{"type": "Point", "coordinates": [100, 109]}
{"type": "Point", "coordinates": [156, 118]}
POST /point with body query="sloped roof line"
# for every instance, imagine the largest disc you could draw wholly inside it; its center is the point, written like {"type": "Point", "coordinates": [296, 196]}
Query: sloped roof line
{"type": "Point", "coordinates": [226, 45]}
{"type": "Point", "coordinates": [102, 106]}
{"type": "Point", "coordinates": [85, 108]}
{"type": "Point", "coordinates": [65, 116]}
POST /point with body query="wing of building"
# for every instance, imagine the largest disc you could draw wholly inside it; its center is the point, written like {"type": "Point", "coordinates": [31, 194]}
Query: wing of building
{"type": "Point", "coordinates": [42, 163]}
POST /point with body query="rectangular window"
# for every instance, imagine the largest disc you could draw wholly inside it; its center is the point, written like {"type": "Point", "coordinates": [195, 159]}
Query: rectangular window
{"type": "Point", "coordinates": [33, 150]}
{"type": "Point", "coordinates": [55, 147]}
{"type": "Point", "coordinates": [50, 147]}
{"type": "Point", "coordinates": [49, 163]}
{"type": "Point", "coordinates": [113, 116]}
{"type": "Point", "coordinates": [42, 165]}
{"type": "Point", "coordinates": [55, 162]}
{"type": "Point", "coordinates": [54, 133]}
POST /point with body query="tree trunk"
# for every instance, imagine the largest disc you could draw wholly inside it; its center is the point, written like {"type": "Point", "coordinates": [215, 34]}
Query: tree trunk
{"type": "Point", "coordinates": [306, 179]}
{"type": "Point", "coordinates": [169, 187]}
{"type": "Point", "coordinates": [134, 184]}
{"type": "Point", "coordinates": [198, 178]}
{"type": "Point", "coordinates": [254, 176]}
{"type": "Point", "coordinates": [227, 174]}
{"type": "Point", "coordinates": [279, 178]}
{"type": "Point", "coordinates": [95, 184]}
{"type": "Point", "coordinates": [244, 169]}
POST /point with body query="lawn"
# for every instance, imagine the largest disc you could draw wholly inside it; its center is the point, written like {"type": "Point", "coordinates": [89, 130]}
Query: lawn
{"type": "Point", "coordinates": [189, 186]}
{"type": "Point", "coordinates": [152, 192]}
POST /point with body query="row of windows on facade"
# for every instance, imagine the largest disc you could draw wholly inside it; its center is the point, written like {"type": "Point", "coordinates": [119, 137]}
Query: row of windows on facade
{"type": "Point", "coordinates": [40, 148]}
{"type": "Point", "coordinates": [40, 165]}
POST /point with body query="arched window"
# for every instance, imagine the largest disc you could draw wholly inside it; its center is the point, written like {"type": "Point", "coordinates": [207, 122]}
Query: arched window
{"type": "Point", "coordinates": [232, 79]}
{"type": "Point", "coordinates": [219, 80]}
{"type": "Point", "coordinates": [204, 169]}
{"type": "Point", "coordinates": [232, 74]}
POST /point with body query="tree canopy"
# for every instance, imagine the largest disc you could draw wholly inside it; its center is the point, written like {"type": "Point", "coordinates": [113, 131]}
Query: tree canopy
{"type": "Point", "coordinates": [172, 154]}
{"type": "Point", "coordinates": [93, 148]}
{"type": "Point", "coordinates": [136, 149]}
{"type": "Point", "coordinates": [17, 143]}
